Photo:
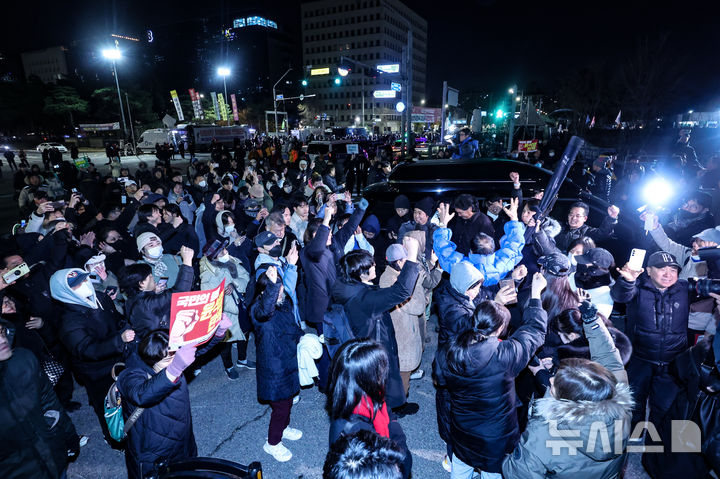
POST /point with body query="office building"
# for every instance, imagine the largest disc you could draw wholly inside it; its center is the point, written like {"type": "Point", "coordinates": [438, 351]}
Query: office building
{"type": "Point", "coordinates": [48, 64]}
{"type": "Point", "coordinates": [373, 32]}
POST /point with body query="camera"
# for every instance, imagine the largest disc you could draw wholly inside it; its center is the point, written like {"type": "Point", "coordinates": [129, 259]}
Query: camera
{"type": "Point", "coordinates": [704, 286]}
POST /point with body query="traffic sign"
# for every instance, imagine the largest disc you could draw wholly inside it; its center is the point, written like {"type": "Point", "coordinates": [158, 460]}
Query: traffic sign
{"type": "Point", "coordinates": [392, 68]}
{"type": "Point", "coordinates": [384, 93]}
{"type": "Point", "coordinates": [395, 86]}
{"type": "Point", "coordinates": [279, 96]}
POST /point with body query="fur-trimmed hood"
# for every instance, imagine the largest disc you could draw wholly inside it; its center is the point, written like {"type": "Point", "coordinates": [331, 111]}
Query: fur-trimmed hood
{"type": "Point", "coordinates": [580, 415]}
{"type": "Point", "coordinates": [551, 227]}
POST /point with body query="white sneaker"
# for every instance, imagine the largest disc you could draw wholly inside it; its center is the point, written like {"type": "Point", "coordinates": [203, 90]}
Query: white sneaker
{"type": "Point", "coordinates": [278, 451]}
{"type": "Point", "coordinates": [446, 464]}
{"type": "Point", "coordinates": [292, 434]}
{"type": "Point", "coordinates": [417, 374]}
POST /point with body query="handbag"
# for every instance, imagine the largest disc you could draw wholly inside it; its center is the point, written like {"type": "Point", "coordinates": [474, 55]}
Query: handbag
{"type": "Point", "coordinates": [51, 367]}
{"type": "Point", "coordinates": [117, 426]}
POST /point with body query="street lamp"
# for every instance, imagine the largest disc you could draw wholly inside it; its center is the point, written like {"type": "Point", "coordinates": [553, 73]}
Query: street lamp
{"type": "Point", "coordinates": [343, 71]}
{"type": "Point", "coordinates": [275, 98]}
{"type": "Point", "coordinates": [224, 72]}
{"type": "Point", "coordinates": [114, 54]}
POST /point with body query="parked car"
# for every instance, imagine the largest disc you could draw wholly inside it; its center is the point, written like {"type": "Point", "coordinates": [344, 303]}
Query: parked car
{"type": "Point", "coordinates": [445, 179]}
{"type": "Point", "coordinates": [46, 146]}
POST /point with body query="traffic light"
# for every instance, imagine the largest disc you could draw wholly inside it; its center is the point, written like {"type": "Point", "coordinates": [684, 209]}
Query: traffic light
{"type": "Point", "coordinates": [304, 82]}
{"type": "Point", "coordinates": [499, 113]}
{"type": "Point", "coordinates": [338, 81]}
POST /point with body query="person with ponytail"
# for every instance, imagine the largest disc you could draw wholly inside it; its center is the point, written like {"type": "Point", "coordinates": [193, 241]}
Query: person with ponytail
{"type": "Point", "coordinates": [590, 401]}
{"type": "Point", "coordinates": [480, 378]}
{"type": "Point", "coordinates": [356, 396]}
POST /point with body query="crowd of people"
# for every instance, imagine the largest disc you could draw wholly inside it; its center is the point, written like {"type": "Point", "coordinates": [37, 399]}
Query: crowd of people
{"type": "Point", "coordinates": [542, 332]}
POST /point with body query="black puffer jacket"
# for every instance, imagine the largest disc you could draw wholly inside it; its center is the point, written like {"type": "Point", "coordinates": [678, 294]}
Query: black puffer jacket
{"type": "Point", "coordinates": [465, 230]}
{"type": "Point", "coordinates": [276, 338]}
{"type": "Point", "coordinates": [32, 445]}
{"type": "Point", "coordinates": [657, 321]}
{"type": "Point", "coordinates": [483, 406]}
{"type": "Point", "coordinates": [455, 312]}
{"type": "Point", "coordinates": [92, 337]}
{"type": "Point", "coordinates": [319, 263]}
{"type": "Point", "coordinates": [164, 429]}
{"type": "Point", "coordinates": [568, 235]}
{"type": "Point", "coordinates": [368, 310]}
{"type": "Point", "coordinates": [148, 311]}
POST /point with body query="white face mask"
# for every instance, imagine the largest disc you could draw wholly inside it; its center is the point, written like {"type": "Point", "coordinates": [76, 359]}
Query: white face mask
{"type": "Point", "coordinates": [229, 229]}
{"type": "Point", "coordinates": [223, 259]}
{"type": "Point", "coordinates": [85, 290]}
{"type": "Point", "coordinates": [202, 184]}
{"type": "Point", "coordinates": [571, 257]}
{"type": "Point", "coordinates": [154, 252]}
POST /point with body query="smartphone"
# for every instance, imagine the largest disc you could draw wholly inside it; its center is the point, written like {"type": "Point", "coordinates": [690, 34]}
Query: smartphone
{"type": "Point", "coordinates": [58, 204]}
{"type": "Point", "coordinates": [15, 273]}
{"type": "Point", "coordinates": [637, 257]}
{"type": "Point", "coordinates": [504, 283]}
{"type": "Point", "coordinates": [23, 223]}
{"type": "Point", "coordinates": [649, 223]}
{"type": "Point", "coordinates": [123, 199]}
{"type": "Point", "coordinates": [163, 282]}
{"type": "Point", "coordinates": [74, 190]}
{"type": "Point", "coordinates": [110, 290]}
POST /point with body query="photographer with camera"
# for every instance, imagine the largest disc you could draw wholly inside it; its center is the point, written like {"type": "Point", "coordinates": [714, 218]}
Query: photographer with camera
{"type": "Point", "coordinates": [657, 323]}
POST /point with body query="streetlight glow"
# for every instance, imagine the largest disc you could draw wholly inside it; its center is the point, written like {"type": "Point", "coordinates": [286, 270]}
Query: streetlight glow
{"type": "Point", "coordinates": [422, 102]}
{"type": "Point", "coordinates": [223, 71]}
{"type": "Point", "coordinates": [112, 54]}
{"type": "Point", "coordinates": [343, 71]}
{"type": "Point", "coordinates": [511, 91]}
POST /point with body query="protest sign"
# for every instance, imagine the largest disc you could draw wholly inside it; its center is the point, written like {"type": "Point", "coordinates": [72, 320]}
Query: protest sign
{"type": "Point", "coordinates": [194, 316]}
{"type": "Point", "coordinates": [527, 146]}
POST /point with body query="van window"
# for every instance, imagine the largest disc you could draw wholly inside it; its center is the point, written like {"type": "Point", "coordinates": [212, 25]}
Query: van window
{"type": "Point", "coordinates": [318, 149]}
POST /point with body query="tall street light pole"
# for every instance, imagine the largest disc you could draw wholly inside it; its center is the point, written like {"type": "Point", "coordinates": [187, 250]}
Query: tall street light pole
{"type": "Point", "coordinates": [511, 121]}
{"type": "Point", "coordinates": [114, 54]}
{"type": "Point", "coordinates": [275, 97]}
{"type": "Point", "coordinates": [224, 72]}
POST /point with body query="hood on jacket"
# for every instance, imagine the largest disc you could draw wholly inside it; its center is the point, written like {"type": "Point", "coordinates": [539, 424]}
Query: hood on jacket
{"type": "Point", "coordinates": [371, 225]}
{"type": "Point", "coordinates": [464, 275]}
{"type": "Point", "coordinates": [421, 238]}
{"type": "Point", "coordinates": [218, 220]}
{"type": "Point", "coordinates": [580, 415]}
{"type": "Point", "coordinates": [551, 227]}
{"type": "Point", "coordinates": [61, 290]}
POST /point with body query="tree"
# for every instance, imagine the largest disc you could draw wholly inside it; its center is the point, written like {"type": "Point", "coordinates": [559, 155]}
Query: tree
{"type": "Point", "coordinates": [64, 100]}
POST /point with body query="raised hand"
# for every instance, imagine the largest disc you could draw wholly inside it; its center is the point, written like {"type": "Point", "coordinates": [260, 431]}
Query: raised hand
{"type": "Point", "coordinates": [512, 209]}
{"type": "Point", "coordinates": [629, 274]}
{"type": "Point", "coordinates": [272, 274]}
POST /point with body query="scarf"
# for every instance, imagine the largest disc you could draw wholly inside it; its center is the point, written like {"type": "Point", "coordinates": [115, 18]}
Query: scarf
{"type": "Point", "coordinates": [380, 421]}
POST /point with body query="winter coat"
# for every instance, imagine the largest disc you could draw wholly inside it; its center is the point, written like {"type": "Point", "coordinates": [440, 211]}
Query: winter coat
{"type": "Point", "coordinates": [428, 228]}
{"type": "Point", "coordinates": [148, 311]}
{"type": "Point", "coordinates": [212, 273]}
{"type": "Point", "coordinates": [164, 429]}
{"type": "Point", "coordinates": [464, 231]}
{"type": "Point", "coordinates": [33, 445]}
{"type": "Point", "coordinates": [483, 404]}
{"type": "Point", "coordinates": [586, 455]}
{"type": "Point", "coordinates": [684, 226]}
{"type": "Point", "coordinates": [92, 337]}
{"type": "Point", "coordinates": [276, 337]}
{"type": "Point", "coordinates": [467, 150]}
{"type": "Point", "coordinates": [682, 254]}
{"type": "Point", "coordinates": [538, 244]}
{"type": "Point", "coordinates": [494, 266]}
{"type": "Point", "coordinates": [175, 238]}
{"type": "Point", "coordinates": [568, 235]}
{"type": "Point", "coordinates": [320, 265]}
{"type": "Point", "coordinates": [405, 319]}
{"type": "Point", "coordinates": [657, 321]}
{"type": "Point", "coordinates": [167, 267]}
{"type": "Point", "coordinates": [455, 311]}
{"type": "Point", "coordinates": [368, 310]}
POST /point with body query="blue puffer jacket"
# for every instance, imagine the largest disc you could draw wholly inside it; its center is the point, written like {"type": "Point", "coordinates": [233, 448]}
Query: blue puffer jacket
{"type": "Point", "coordinates": [276, 337]}
{"type": "Point", "coordinates": [495, 266]}
{"type": "Point", "coordinates": [164, 429]}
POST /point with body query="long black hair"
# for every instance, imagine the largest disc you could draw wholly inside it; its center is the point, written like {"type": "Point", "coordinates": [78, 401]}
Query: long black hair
{"type": "Point", "coordinates": [558, 296]}
{"type": "Point", "coordinates": [359, 368]}
{"type": "Point", "coordinates": [488, 318]}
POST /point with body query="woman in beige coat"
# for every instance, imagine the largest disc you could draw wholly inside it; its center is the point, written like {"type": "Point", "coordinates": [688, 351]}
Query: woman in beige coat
{"type": "Point", "coordinates": [405, 316]}
{"type": "Point", "coordinates": [215, 266]}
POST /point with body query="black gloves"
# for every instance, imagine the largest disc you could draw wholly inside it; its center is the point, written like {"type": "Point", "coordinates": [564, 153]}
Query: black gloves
{"type": "Point", "coordinates": [588, 312]}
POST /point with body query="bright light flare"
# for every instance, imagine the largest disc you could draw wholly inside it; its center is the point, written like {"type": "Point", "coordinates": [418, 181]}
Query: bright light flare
{"type": "Point", "coordinates": [223, 71]}
{"type": "Point", "coordinates": [112, 54]}
{"type": "Point", "coordinates": [658, 191]}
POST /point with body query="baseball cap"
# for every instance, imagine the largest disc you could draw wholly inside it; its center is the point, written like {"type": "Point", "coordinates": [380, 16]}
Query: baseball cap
{"type": "Point", "coordinates": [596, 256]}
{"type": "Point", "coordinates": [395, 252]}
{"type": "Point", "coordinates": [75, 277]}
{"type": "Point", "coordinates": [557, 264]}
{"type": "Point", "coordinates": [152, 198]}
{"type": "Point", "coordinates": [661, 259]}
{"type": "Point", "coordinates": [211, 250]}
{"type": "Point", "coordinates": [265, 238]}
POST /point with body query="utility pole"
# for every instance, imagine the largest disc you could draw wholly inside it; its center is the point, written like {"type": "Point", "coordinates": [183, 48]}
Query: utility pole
{"type": "Point", "coordinates": [511, 121]}
{"type": "Point", "coordinates": [408, 74]}
{"type": "Point", "coordinates": [275, 98]}
{"type": "Point", "coordinates": [443, 110]}
{"type": "Point", "coordinates": [132, 129]}
{"type": "Point", "coordinates": [122, 109]}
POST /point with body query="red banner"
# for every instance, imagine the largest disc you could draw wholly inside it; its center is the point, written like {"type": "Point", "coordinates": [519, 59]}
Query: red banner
{"type": "Point", "coordinates": [194, 316]}
{"type": "Point", "coordinates": [527, 146]}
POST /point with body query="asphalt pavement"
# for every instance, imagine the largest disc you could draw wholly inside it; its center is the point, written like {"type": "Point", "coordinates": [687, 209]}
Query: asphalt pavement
{"type": "Point", "coordinates": [229, 423]}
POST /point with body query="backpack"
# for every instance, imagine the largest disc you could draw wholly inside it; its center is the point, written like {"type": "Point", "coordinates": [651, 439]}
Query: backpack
{"type": "Point", "coordinates": [117, 427]}
{"type": "Point", "coordinates": [336, 328]}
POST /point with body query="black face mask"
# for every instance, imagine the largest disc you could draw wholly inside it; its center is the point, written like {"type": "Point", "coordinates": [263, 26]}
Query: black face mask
{"type": "Point", "coordinates": [276, 251]}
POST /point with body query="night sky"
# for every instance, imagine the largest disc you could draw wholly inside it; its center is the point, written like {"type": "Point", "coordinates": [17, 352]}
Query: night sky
{"type": "Point", "coordinates": [480, 44]}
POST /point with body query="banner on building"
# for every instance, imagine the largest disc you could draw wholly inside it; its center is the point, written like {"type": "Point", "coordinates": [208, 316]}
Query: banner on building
{"type": "Point", "coordinates": [223, 107]}
{"type": "Point", "coordinates": [197, 106]}
{"type": "Point", "coordinates": [216, 107]}
{"type": "Point", "coordinates": [236, 117]}
{"type": "Point", "coordinates": [176, 102]}
{"type": "Point", "coordinates": [528, 146]}
{"type": "Point", "coordinates": [426, 115]}
{"type": "Point", "coordinates": [195, 316]}
{"type": "Point", "coordinates": [100, 126]}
